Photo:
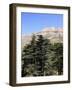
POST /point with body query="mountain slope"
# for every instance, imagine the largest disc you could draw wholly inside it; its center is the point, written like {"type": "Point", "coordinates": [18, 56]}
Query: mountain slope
{"type": "Point", "coordinates": [54, 35]}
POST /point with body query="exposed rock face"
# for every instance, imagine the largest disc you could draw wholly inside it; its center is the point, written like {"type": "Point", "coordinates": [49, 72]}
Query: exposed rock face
{"type": "Point", "coordinates": [53, 34]}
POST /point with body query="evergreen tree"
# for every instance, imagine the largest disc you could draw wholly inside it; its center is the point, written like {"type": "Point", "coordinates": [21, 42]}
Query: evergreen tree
{"type": "Point", "coordinates": [28, 58]}
{"type": "Point", "coordinates": [49, 70]}
{"type": "Point", "coordinates": [41, 58]}
{"type": "Point", "coordinates": [41, 54]}
{"type": "Point", "coordinates": [58, 57]}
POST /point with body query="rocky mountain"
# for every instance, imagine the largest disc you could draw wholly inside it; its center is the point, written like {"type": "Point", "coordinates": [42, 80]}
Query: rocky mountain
{"type": "Point", "coordinates": [53, 34]}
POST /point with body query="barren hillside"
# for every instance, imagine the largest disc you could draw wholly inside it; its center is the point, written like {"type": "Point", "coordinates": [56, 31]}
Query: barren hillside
{"type": "Point", "coordinates": [55, 35]}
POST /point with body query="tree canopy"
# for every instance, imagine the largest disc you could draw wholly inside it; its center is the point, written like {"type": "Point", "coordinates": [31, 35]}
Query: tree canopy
{"type": "Point", "coordinates": [42, 58]}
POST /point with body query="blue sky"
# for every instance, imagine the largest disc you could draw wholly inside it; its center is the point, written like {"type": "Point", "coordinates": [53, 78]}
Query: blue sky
{"type": "Point", "coordinates": [35, 22]}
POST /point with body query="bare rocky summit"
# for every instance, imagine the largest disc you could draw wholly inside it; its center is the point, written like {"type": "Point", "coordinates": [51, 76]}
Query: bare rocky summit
{"type": "Point", "coordinates": [55, 35]}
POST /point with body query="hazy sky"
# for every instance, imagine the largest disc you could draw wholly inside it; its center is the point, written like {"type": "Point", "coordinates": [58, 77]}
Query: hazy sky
{"type": "Point", "coordinates": [35, 22]}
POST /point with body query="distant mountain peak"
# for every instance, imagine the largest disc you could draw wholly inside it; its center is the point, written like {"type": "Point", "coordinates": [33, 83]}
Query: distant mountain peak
{"type": "Point", "coordinates": [50, 30]}
{"type": "Point", "coordinates": [53, 34]}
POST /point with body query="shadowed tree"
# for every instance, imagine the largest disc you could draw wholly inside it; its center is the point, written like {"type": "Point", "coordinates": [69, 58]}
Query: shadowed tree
{"type": "Point", "coordinates": [58, 57]}
{"type": "Point", "coordinates": [28, 58]}
{"type": "Point", "coordinates": [42, 49]}
{"type": "Point", "coordinates": [41, 58]}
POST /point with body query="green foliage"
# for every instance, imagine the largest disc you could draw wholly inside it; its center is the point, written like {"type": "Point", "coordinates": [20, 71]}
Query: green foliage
{"type": "Point", "coordinates": [58, 57]}
{"type": "Point", "coordinates": [41, 58]}
{"type": "Point", "coordinates": [28, 56]}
